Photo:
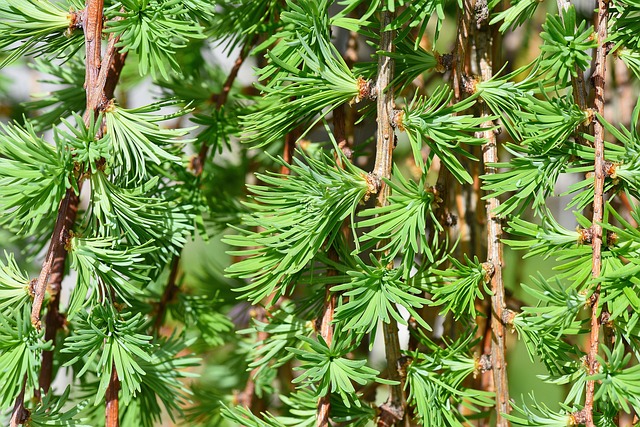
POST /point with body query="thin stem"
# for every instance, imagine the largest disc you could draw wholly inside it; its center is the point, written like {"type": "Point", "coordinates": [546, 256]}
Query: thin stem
{"type": "Point", "coordinates": [106, 81]}
{"type": "Point", "coordinates": [246, 397]}
{"type": "Point", "coordinates": [112, 412]}
{"type": "Point", "coordinates": [326, 331]}
{"type": "Point", "coordinates": [330, 300]}
{"type": "Point", "coordinates": [393, 410]}
{"type": "Point", "coordinates": [385, 105]}
{"type": "Point", "coordinates": [578, 84]}
{"type": "Point", "coordinates": [598, 203]}
{"type": "Point", "coordinates": [171, 289]}
{"type": "Point", "coordinates": [54, 320]}
{"type": "Point", "coordinates": [484, 40]}
{"type": "Point", "coordinates": [168, 295]}
{"type": "Point", "coordinates": [221, 100]}
{"type": "Point", "coordinates": [19, 414]}
{"type": "Point", "coordinates": [64, 221]}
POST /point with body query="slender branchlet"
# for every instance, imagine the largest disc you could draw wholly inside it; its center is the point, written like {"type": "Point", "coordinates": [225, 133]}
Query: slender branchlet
{"type": "Point", "coordinates": [394, 409]}
{"type": "Point", "coordinates": [171, 289]}
{"type": "Point", "coordinates": [484, 39]}
{"type": "Point", "coordinates": [580, 92]}
{"type": "Point", "coordinates": [221, 100]}
{"type": "Point", "coordinates": [112, 402]}
{"type": "Point", "coordinates": [598, 79]}
{"type": "Point", "coordinates": [329, 306]}
{"type": "Point", "coordinates": [19, 414]}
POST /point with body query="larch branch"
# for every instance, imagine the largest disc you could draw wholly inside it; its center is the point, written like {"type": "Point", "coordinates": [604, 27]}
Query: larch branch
{"type": "Point", "coordinates": [598, 79]}
{"type": "Point", "coordinates": [394, 409]}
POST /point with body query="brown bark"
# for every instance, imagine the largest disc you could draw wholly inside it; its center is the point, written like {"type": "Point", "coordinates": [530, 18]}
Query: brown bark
{"type": "Point", "coordinates": [394, 409]}
{"type": "Point", "coordinates": [112, 412]}
{"type": "Point", "coordinates": [598, 79]}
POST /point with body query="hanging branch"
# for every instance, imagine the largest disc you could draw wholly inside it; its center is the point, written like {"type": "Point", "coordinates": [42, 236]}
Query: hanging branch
{"type": "Point", "coordinates": [171, 290]}
{"type": "Point", "coordinates": [221, 100]}
{"type": "Point", "coordinates": [329, 307]}
{"type": "Point", "coordinates": [112, 411]}
{"type": "Point", "coordinates": [393, 410]}
{"type": "Point", "coordinates": [484, 39]}
{"type": "Point", "coordinates": [326, 331]}
{"type": "Point", "coordinates": [598, 205]}
{"type": "Point", "coordinates": [19, 414]}
{"type": "Point", "coordinates": [108, 78]}
{"type": "Point", "coordinates": [577, 81]}
{"type": "Point", "coordinates": [54, 320]}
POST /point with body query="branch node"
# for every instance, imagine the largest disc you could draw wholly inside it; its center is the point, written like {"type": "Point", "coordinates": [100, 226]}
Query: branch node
{"type": "Point", "coordinates": [483, 364]}
{"type": "Point", "coordinates": [489, 270]}
{"type": "Point", "coordinates": [397, 116]}
{"type": "Point", "coordinates": [444, 62]}
{"type": "Point", "coordinates": [578, 417]}
{"type": "Point", "coordinates": [508, 316]}
{"type": "Point", "coordinates": [389, 415]}
{"type": "Point", "coordinates": [366, 90]}
{"type": "Point", "coordinates": [373, 184]}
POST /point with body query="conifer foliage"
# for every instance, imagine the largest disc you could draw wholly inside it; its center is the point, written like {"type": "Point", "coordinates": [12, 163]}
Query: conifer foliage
{"type": "Point", "coordinates": [354, 196]}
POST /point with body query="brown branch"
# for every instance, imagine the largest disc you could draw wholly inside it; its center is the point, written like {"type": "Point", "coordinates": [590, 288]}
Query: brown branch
{"type": "Point", "coordinates": [484, 40]}
{"type": "Point", "coordinates": [112, 412]}
{"type": "Point", "coordinates": [64, 222]}
{"type": "Point", "coordinates": [19, 414]}
{"type": "Point", "coordinates": [289, 147]}
{"type": "Point", "coordinates": [108, 76]}
{"type": "Point", "coordinates": [598, 79]}
{"type": "Point", "coordinates": [221, 100]}
{"type": "Point", "coordinates": [197, 165]}
{"type": "Point", "coordinates": [326, 331]}
{"type": "Point", "coordinates": [54, 320]}
{"type": "Point", "coordinates": [396, 403]}
{"type": "Point", "coordinates": [580, 93]}
{"type": "Point", "coordinates": [328, 310]}
{"type": "Point", "coordinates": [168, 295]}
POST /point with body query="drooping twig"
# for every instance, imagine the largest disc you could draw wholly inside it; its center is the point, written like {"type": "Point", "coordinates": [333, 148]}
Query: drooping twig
{"type": "Point", "coordinates": [19, 414]}
{"type": "Point", "coordinates": [393, 410]}
{"type": "Point", "coordinates": [54, 320]}
{"type": "Point", "coordinates": [171, 289]}
{"type": "Point", "coordinates": [598, 204]}
{"type": "Point", "coordinates": [168, 295]}
{"type": "Point", "coordinates": [221, 100]}
{"type": "Point", "coordinates": [484, 40]}
{"type": "Point", "coordinates": [112, 411]}
{"type": "Point", "coordinates": [580, 93]}
{"type": "Point", "coordinates": [110, 69]}
{"type": "Point", "coordinates": [326, 331]}
{"type": "Point", "coordinates": [330, 299]}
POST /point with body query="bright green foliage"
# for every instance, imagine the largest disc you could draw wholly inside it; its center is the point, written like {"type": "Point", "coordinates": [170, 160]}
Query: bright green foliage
{"type": "Point", "coordinates": [431, 121]}
{"type": "Point", "coordinates": [68, 98]}
{"type": "Point", "coordinates": [374, 293]}
{"type": "Point", "coordinates": [565, 46]}
{"type": "Point", "coordinates": [154, 30]}
{"type": "Point", "coordinates": [21, 347]}
{"type": "Point", "coordinates": [320, 86]}
{"type": "Point", "coordinates": [458, 288]}
{"type": "Point", "coordinates": [435, 383]}
{"type": "Point", "coordinates": [14, 285]}
{"type": "Point", "coordinates": [403, 222]}
{"type": "Point", "coordinates": [326, 195]}
{"type": "Point", "coordinates": [39, 26]}
{"type": "Point", "coordinates": [304, 218]}
{"type": "Point", "coordinates": [326, 366]}
{"type": "Point", "coordinates": [284, 330]}
{"type": "Point", "coordinates": [519, 13]}
{"type": "Point", "coordinates": [53, 411]}
{"type": "Point", "coordinates": [33, 177]}
{"type": "Point", "coordinates": [137, 140]}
